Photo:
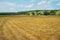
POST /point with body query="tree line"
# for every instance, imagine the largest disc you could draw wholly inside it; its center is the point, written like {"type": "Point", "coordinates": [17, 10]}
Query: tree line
{"type": "Point", "coordinates": [33, 13]}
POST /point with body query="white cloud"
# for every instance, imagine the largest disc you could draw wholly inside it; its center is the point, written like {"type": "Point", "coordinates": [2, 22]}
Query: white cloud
{"type": "Point", "coordinates": [7, 6]}
{"type": "Point", "coordinates": [47, 3]}
{"type": "Point", "coordinates": [11, 6]}
{"type": "Point", "coordinates": [32, 0]}
{"type": "Point", "coordinates": [58, 4]}
{"type": "Point", "coordinates": [43, 3]}
{"type": "Point", "coordinates": [29, 6]}
{"type": "Point", "coordinates": [7, 3]}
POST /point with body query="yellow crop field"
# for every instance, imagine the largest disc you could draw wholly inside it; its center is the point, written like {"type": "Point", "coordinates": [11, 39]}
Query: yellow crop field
{"type": "Point", "coordinates": [30, 28]}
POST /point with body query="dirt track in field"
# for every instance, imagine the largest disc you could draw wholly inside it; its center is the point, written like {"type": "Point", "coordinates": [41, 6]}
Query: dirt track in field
{"type": "Point", "coordinates": [30, 28]}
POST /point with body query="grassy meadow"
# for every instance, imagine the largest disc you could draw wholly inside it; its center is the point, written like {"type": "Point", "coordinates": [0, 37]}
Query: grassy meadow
{"type": "Point", "coordinates": [29, 27]}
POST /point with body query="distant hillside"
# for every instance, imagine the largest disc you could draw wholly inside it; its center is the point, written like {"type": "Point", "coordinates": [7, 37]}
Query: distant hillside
{"type": "Point", "coordinates": [33, 12]}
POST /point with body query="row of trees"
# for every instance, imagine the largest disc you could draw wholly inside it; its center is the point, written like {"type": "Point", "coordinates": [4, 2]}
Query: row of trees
{"type": "Point", "coordinates": [46, 12]}
{"type": "Point", "coordinates": [35, 13]}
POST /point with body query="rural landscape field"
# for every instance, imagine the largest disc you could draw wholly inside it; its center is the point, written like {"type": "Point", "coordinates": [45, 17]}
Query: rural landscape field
{"type": "Point", "coordinates": [29, 27]}
{"type": "Point", "coordinates": [29, 19]}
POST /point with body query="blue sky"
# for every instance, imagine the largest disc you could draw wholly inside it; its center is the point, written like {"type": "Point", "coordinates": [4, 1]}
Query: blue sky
{"type": "Point", "coordinates": [25, 5]}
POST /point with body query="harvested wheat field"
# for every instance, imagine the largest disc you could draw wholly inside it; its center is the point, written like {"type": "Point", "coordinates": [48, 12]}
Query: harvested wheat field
{"type": "Point", "coordinates": [30, 28]}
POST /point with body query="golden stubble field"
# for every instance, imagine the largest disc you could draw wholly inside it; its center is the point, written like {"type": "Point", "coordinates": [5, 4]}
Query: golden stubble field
{"type": "Point", "coordinates": [29, 27]}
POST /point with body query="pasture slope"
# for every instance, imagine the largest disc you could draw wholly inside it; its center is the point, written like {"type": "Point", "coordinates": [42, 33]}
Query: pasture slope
{"type": "Point", "coordinates": [29, 27]}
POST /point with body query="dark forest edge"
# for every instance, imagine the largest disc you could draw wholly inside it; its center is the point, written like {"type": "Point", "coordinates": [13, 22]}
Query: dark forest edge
{"type": "Point", "coordinates": [33, 12]}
